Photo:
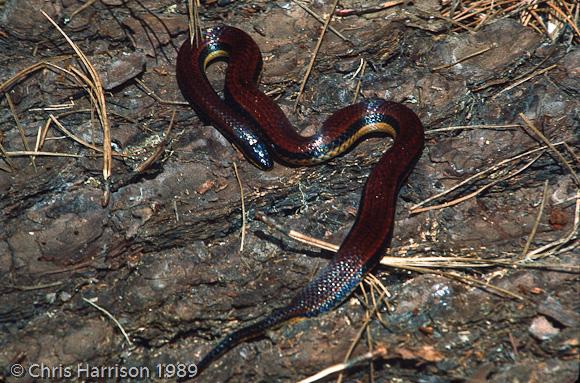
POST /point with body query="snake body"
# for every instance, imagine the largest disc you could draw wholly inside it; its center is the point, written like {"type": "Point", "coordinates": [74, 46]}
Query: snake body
{"type": "Point", "coordinates": [259, 128]}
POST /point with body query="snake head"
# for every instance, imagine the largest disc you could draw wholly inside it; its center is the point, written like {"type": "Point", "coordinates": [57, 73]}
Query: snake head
{"type": "Point", "coordinates": [254, 148]}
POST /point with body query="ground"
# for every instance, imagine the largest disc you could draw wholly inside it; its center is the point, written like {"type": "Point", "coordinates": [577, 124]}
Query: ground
{"type": "Point", "coordinates": [486, 287]}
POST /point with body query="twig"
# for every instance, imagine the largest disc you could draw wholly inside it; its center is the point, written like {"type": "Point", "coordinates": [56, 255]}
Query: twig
{"type": "Point", "coordinates": [79, 10]}
{"type": "Point", "coordinates": [152, 94]}
{"type": "Point", "coordinates": [159, 150]}
{"type": "Point", "coordinates": [297, 235]}
{"type": "Point", "coordinates": [320, 20]}
{"type": "Point", "coordinates": [364, 11]}
{"type": "Point", "coordinates": [5, 155]}
{"type": "Point", "coordinates": [539, 253]}
{"type": "Point", "coordinates": [537, 221]}
{"type": "Point", "coordinates": [37, 287]}
{"type": "Point", "coordinates": [551, 146]}
{"type": "Point", "coordinates": [314, 54]}
{"type": "Point", "coordinates": [464, 58]}
{"type": "Point", "coordinates": [521, 81]}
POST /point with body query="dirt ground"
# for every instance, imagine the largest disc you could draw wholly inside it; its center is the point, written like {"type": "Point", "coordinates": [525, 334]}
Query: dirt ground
{"type": "Point", "coordinates": [487, 284]}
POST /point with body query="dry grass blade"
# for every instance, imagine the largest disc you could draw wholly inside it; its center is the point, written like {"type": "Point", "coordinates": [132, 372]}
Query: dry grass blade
{"type": "Point", "coordinates": [464, 127]}
{"type": "Point", "coordinates": [5, 169]}
{"type": "Point", "coordinates": [37, 287]}
{"type": "Point", "coordinates": [194, 21]}
{"type": "Point", "coordinates": [364, 326]}
{"type": "Point", "coordinates": [97, 87]}
{"type": "Point", "coordinates": [464, 279]}
{"type": "Point", "coordinates": [572, 153]}
{"type": "Point", "coordinates": [459, 262]}
{"type": "Point", "coordinates": [426, 265]}
{"type": "Point", "coordinates": [29, 70]}
{"type": "Point", "coordinates": [451, 21]}
{"type": "Point", "coordinates": [374, 281]}
{"type": "Point", "coordinates": [566, 17]}
{"type": "Point", "coordinates": [108, 314]}
{"type": "Point", "coordinates": [54, 107]}
{"type": "Point", "coordinates": [548, 17]}
{"type": "Point", "coordinates": [380, 352]}
{"type": "Point", "coordinates": [456, 261]}
{"type": "Point", "coordinates": [72, 136]}
{"type": "Point", "coordinates": [41, 136]}
{"type": "Point", "coordinates": [20, 129]}
{"type": "Point", "coordinates": [24, 153]}
{"type": "Point", "coordinates": [481, 174]}
{"type": "Point", "coordinates": [478, 191]}
{"type": "Point", "coordinates": [366, 10]}
{"type": "Point", "coordinates": [77, 139]}
{"type": "Point", "coordinates": [361, 69]}
{"type": "Point", "coordinates": [242, 198]}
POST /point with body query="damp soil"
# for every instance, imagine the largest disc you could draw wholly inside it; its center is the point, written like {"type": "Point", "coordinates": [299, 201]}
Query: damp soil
{"type": "Point", "coordinates": [163, 256]}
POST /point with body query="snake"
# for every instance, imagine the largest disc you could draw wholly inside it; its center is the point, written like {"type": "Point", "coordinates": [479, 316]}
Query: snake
{"type": "Point", "coordinates": [258, 128]}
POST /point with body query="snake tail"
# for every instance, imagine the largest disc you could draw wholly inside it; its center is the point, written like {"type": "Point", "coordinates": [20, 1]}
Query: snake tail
{"type": "Point", "coordinates": [275, 319]}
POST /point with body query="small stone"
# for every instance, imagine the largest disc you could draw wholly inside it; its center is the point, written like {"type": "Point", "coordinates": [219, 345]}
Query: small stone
{"type": "Point", "coordinates": [65, 297]}
{"type": "Point", "coordinates": [542, 329]}
{"type": "Point", "coordinates": [51, 298]}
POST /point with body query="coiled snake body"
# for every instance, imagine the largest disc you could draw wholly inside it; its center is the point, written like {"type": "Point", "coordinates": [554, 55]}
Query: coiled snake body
{"type": "Point", "coordinates": [258, 127]}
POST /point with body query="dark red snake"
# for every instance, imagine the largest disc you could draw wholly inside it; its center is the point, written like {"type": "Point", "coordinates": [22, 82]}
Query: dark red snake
{"type": "Point", "coordinates": [259, 128]}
